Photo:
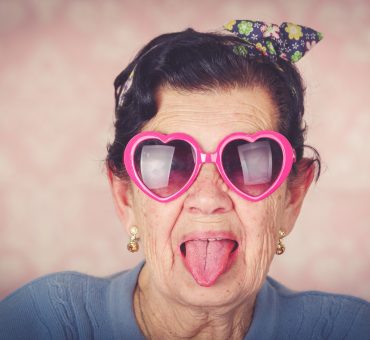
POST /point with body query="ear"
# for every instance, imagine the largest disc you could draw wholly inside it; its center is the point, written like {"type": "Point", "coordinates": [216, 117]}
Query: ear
{"type": "Point", "coordinates": [296, 192]}
{"type": "Point", "coordinates": [123, 198]}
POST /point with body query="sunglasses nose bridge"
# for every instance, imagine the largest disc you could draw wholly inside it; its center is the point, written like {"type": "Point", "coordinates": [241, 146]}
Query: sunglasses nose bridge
{"type": "Point", "coordinates": [209, 177]}
{"type": "Point", "coordinates": [208, 157]}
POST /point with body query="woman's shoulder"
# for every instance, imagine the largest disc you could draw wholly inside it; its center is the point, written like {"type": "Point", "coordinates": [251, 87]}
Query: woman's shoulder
{"type": "Point", "coordinates": [317, 313]}
{"type": "Point", "coordinates": [58, 285]}
{"type": "Point", "coordinates": [313, 297]}
{"type": "Point", "coordinates": [63, 305]}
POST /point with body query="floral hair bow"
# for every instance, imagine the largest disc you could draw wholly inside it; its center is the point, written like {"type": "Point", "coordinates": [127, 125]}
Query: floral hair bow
{"type": "Point", "coordinates": [287, 41]}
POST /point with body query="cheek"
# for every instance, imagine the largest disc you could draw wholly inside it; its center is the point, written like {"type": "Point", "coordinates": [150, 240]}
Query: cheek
{"type": "Point", "coordinates": [261, 222]}
{"type": "Point", "coordinates": [272, 219]}
{"type": "Point", "coordinates": [262, 231]}
{"type": "Point", "coordinates": [155, 222]}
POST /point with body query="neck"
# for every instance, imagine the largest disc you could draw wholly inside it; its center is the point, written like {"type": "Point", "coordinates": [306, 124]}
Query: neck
{"type": "Point", "coordinates": [160, 317]}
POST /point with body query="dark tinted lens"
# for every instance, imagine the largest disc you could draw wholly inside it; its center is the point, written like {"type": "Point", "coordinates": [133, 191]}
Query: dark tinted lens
{"type": "Point", "coordinates": [252, 167]}
{"type": "Point", "coordinates": [164, 168]}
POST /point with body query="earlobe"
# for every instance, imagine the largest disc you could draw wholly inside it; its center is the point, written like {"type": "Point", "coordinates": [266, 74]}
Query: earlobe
{"type": "Point", "coordinates": [122, 197]}
{"type": "Point", "coordinates": [296, 192]}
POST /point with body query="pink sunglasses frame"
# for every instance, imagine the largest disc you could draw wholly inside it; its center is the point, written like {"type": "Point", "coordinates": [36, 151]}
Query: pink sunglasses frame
{"type": "Point", "coordinates": [201, 158]}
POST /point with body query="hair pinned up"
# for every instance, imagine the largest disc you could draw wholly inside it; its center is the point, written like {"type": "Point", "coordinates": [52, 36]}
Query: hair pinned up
{"type": "Point", "coordinates": [195, 61]}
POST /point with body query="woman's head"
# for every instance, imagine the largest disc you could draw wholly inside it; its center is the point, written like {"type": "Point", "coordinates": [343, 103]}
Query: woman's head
{"type": "Point", "coordinates": [191, 61]}
{"type": "Point", "coordinates": [209, 246]}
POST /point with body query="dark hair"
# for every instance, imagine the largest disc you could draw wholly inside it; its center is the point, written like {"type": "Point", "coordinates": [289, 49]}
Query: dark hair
{"type": "Point", "coordinates": [194, 61]}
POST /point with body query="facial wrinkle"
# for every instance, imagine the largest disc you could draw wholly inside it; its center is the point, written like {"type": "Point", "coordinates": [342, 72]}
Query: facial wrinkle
{"type": "Point", "coordinates": [173, 121]}
{"type": "Point", "coordinates": [176, 106]}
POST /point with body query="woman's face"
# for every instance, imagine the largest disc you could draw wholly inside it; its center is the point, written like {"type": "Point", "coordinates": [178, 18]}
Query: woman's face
{"type": "Point", "coordinates": [209, 209]}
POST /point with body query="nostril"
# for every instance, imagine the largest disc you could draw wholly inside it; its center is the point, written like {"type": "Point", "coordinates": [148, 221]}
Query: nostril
{"type": "Point", "coordinates": [219, 211]}
{"type": "Point", "coordinates": [183, 249]}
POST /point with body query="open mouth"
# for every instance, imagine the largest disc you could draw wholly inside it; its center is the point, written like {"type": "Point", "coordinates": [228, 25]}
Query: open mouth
{"type": "Point", "coordinates": [208, 258]}
{"type": "Point", "coordinates": [183, 245]}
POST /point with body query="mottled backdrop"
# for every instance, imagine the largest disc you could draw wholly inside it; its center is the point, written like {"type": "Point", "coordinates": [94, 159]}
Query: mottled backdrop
{"type": "Point", "coordinates": [58, 60]}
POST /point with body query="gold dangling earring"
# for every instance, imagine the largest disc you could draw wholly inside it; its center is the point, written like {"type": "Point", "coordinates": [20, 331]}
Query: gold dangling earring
{"type": "Point", "coordinates": [280, 247]}
{"type": "Point", "coordinates": [133, 244]}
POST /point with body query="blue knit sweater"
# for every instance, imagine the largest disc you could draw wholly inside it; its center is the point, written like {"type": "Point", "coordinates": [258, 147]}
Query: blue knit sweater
{"type": "Point", "coordinates": [76, 306]}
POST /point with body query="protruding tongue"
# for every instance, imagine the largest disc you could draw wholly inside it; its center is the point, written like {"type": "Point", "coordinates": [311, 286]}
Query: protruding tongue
{"type": "Point", "coordinates": [207, 260]}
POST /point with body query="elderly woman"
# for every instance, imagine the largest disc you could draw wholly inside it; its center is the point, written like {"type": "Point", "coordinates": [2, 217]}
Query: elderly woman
{"type": "Point", "coordinates": [208, 175]}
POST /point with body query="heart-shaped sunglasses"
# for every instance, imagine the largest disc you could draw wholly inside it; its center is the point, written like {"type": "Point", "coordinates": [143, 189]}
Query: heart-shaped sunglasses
{"type": "Point", "coordinates": [165, 166]}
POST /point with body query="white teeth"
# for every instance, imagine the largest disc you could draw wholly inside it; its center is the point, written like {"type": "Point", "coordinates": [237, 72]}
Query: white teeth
{"type": "Point", "coordinates": [211, 239]}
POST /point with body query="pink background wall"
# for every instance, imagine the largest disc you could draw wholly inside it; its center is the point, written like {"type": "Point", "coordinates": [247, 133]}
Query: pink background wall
{"type": "Point", "coordinates": [58, 60]}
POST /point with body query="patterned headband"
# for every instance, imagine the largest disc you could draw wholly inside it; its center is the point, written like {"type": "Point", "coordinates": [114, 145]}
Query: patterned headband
{"type": "Point", "coordinates": [287, 41]}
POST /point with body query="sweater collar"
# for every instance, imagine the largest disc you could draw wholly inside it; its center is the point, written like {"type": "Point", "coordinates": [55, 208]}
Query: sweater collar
{"type": "Point", "coordinates": [124, 324]}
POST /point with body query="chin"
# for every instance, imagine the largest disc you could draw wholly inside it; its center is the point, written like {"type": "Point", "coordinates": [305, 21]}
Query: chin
{"type": "Point", "coordinates": [226, 290]}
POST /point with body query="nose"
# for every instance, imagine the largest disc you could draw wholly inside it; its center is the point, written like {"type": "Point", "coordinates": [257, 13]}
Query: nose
{"type": "Point", "coordinates": [208, 194]}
